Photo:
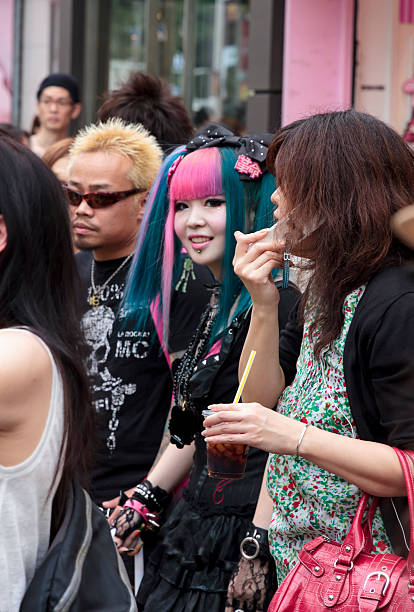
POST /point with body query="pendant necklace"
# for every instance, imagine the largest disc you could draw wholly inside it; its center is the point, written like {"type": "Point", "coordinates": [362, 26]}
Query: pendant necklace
{"type": "Point", "coordinates": [95, 299]}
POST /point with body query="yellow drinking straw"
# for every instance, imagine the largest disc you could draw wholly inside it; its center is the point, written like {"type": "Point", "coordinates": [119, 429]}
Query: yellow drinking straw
{"type": "Point", "coordinates": [244, 377]}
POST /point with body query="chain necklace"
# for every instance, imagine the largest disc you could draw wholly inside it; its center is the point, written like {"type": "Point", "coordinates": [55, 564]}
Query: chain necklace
{"type": "Point", "coordinates": [184, 421]}
{"type": "Point", "coordinates": [95, 299]}
{"type": "Point", "coordinates": [194, 352]}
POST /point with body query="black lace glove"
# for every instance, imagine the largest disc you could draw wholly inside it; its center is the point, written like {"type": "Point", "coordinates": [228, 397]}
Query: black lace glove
{"type": "Point", "coordinates": [141, 512]}
{"type": "Point", "coordinates": [253, 582]}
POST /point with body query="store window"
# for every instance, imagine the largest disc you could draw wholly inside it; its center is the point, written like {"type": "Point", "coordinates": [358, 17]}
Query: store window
{"type": "Point", "coordinates": [199, 46]}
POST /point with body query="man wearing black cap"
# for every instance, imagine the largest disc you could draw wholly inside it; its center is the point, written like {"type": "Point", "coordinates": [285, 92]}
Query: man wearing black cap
{"type": "Point", "coordinates": [58, 102]}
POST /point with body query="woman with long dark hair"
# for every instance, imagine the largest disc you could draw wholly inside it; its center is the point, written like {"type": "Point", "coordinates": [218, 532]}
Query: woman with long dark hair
{"type": "Point", "coordinates": [45, 413]}
{"type": "Point", "coordinates": [342, 374]}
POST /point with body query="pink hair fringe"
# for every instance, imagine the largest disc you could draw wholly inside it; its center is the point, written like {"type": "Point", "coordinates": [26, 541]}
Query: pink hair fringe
{"type": "Point", "coordinates": [197, 175]}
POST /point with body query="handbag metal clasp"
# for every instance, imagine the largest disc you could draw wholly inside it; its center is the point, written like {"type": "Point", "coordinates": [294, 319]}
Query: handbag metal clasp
{"type": "Point", "coordinates": [348, 569]}
{"type": "Point", "coordinates": [379, 574]}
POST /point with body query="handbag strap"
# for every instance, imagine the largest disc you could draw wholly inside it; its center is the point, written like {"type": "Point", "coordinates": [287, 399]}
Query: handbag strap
{"type": "Point", "coordinates": [367, 526]}
{"type": "Point", "coordinates": [406, 459]}
{"type": "Point", "coordinates": [359, 537]}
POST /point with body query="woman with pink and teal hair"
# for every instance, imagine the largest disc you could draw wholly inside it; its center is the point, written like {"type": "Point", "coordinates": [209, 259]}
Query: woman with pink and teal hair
{"type": "Point", "coordinates": [190, 174]}
{"type": "Point", "coordinates": [205, 192]}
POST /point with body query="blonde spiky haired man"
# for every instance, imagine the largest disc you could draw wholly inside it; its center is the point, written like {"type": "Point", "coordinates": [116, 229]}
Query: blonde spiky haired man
{"type": "Point", "coordinates": [108, 158]}
{"type": "Point", "coordinates": [112, 167]}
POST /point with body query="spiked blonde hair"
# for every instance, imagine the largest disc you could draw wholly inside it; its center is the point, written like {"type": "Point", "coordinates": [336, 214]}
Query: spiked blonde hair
{"type": "Point", "coordinates": [131, 140]}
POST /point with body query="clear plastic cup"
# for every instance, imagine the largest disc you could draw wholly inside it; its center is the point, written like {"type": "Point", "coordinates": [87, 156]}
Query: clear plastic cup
{"type": "Point", "coordinates": [225, 460]}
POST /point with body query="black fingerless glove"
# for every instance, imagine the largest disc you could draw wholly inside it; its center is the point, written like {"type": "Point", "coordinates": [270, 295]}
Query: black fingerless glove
{"type": "Point", "coordinates": [141, 512]}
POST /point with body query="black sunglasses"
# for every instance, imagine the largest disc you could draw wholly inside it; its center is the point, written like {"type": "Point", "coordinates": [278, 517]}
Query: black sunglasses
{"type": "Point", "coordinates": [98, 199]}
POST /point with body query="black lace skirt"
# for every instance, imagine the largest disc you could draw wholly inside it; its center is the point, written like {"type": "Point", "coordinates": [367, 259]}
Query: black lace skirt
{"type": "Point", "coordinates": [190, 569]}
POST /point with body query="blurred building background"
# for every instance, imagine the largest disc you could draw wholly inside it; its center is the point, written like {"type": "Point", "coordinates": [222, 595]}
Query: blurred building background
{"type": "Point", "coordinates": [253, 63]}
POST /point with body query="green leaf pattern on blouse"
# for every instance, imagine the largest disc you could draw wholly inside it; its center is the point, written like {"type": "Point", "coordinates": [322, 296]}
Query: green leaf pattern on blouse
{"type": "Point", "coordinates": [307, 500]}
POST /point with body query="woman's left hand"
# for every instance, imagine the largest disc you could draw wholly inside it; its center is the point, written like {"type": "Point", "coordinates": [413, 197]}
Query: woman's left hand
{"type": "Point", "coordinates": [254, 425]}
{"type": "Point", "coordinates": [125, 530]}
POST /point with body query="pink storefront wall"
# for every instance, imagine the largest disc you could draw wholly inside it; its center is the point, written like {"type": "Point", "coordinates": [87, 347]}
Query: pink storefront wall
{"type": "Point", "coordinates": [6, 59]}
{"type": "Point", "coordinates": [318, 57]}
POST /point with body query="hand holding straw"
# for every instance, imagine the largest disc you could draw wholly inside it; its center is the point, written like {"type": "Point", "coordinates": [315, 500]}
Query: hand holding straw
{"type": "Point", "coordinates": [244, 377]}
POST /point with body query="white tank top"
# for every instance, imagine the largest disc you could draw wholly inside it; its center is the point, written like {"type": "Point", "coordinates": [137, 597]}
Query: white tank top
{"type": "Point", "coordinates": [26, 504]}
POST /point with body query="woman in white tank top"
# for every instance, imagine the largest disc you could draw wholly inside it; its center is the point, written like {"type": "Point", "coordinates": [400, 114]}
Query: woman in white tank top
{"type": "Point", "coordinates": [45, 413]}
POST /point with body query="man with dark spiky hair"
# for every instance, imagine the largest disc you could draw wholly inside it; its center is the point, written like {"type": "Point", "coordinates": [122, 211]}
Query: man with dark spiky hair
{"type": "Point", "coordinates": [147, 99]}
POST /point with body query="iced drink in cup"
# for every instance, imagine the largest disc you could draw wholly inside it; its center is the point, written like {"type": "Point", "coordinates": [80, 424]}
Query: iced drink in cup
{"type": "Point", "coordinates": [225, 460]}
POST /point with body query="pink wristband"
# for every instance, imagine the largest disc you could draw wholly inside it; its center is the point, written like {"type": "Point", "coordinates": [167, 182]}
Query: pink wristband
{"type": "Point", "coordinates": [138, 507]}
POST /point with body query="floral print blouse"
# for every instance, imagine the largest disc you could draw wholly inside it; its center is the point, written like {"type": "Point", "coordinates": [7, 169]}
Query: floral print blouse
{"type": "Point", "coordinates": [308, 501]}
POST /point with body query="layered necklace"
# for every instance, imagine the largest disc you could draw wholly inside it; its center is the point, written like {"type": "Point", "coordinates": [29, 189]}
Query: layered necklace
{"type": "Point", "coordinates": [94, 299]}
{"type": "Point", "coordinates": [183, 419]}
{"type": "Point", "coordinates": [194, 352]}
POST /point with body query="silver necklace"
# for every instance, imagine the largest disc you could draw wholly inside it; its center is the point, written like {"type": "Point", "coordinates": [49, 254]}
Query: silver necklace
{"type": "Point", "coordinates": [95, 297]}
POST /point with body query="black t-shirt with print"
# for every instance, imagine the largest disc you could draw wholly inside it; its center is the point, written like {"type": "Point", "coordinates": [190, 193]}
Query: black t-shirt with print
{"type": "Point", "coordinates": [131, 380]}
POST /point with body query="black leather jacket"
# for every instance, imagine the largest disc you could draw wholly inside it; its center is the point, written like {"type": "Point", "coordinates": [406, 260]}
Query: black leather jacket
{"type": "Point", "coordinates": [379, 374]}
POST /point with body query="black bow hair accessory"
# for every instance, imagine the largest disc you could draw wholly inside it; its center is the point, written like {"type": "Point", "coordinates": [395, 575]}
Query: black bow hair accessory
{"type": "Point", "coordinates": [251, 150]}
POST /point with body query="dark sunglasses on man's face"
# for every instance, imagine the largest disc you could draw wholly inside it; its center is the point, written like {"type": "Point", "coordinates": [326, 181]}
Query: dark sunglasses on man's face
{"type": "Point", "coordinates": [98, 199]}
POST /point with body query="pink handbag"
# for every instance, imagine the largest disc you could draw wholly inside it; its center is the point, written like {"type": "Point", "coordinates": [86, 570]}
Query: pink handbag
{"type": "Point", "coordinates": [348, 577]}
